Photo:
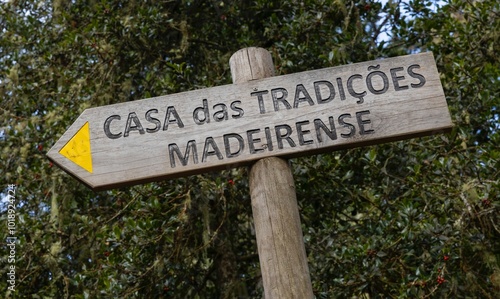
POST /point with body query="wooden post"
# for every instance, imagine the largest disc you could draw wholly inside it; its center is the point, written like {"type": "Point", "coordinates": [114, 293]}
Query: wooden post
{"type": "Point", "coordinates": [280, 243]}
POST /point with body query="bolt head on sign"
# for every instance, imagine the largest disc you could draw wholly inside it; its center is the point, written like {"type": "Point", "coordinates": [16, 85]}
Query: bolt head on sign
{"type": "Point", "coordinates": [232, 125]}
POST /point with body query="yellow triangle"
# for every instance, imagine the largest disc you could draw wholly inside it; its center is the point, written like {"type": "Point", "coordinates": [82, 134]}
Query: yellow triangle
{"type": "Point", "coordinates": [78, 148]}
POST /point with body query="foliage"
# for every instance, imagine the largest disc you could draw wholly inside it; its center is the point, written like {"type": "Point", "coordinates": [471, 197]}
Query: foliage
{"type": "Point", "coordinates": [411, 219]}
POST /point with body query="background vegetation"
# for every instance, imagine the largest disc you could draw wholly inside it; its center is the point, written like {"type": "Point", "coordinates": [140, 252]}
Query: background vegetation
{"type": "Point", "coordinates": [412, 219]}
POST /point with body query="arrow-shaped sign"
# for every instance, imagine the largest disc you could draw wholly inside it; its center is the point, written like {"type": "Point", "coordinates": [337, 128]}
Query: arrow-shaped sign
{"type": "Point", "coordinates": [232, 125]}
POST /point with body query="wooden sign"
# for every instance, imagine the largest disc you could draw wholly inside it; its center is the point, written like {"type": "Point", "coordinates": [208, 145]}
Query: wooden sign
{"type": "Point", "coordinates": [232, 125]}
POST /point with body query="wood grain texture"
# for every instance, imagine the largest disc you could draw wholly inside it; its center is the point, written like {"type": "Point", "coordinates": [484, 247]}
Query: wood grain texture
{"type": "Point", "coordinates": [257, 62]}
{"type": "Point", "coordinates": [234, 125]}
{"type": "Point", "coordinates": [282, 255]}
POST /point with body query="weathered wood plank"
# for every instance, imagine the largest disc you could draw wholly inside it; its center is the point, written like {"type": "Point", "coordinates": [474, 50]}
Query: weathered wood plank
{"type": "Point", "coordinates": [232, 125]}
